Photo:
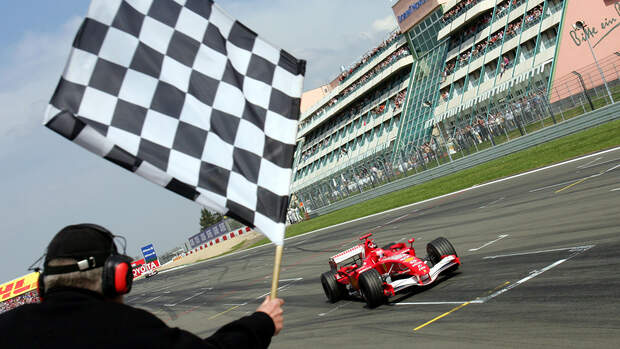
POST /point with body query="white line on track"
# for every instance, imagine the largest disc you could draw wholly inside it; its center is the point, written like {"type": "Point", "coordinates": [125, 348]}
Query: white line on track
{"type": "Point", "coordinates": [611, 169]}
{"type": "Point", "coordinates": [615, 189]}
{"type": "Point", "coordinates": [334, 309]}
{"type": "Point", "coordinates": [184, 300]}
{"type": "Point", "coordinates": [499, 237]}
{"type": "Point", "coordinates": [599, 164]}
{"type": "Point", "coordinates": [426, 303]}
{"type": "Point", "coordinates": [553, 185]}
{"type": "Point", "coordinates": [494, 202]}
{"type": "Point", "coordinates": [573, 249]}
{"type": "Point", "coordinates": [586, 165]}
{"type": "Point", "coordinates": [532, 275]}
{"type": "Point", "coordinates": [575, 180]}
{"type": "Point", "coordinates": [397, 219]}
{"type": "Point", "coordinates": [235, 304]}
{"type": "Point", "coordinates": [281, 288]}
{"type": "Point", "coordinates": [152, 299]}
{"type": "Point", "coordinates": [175, 268]}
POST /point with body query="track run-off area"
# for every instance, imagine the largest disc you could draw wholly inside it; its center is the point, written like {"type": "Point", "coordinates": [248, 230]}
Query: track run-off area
{"type": "Point", "coordinates": [540, 254]}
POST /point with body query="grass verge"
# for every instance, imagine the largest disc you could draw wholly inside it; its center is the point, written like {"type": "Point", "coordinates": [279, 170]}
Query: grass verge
{"type": "Point", "coordinates": [591, 140]}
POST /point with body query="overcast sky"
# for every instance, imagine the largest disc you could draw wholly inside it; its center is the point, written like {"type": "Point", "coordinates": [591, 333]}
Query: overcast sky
{"type": "Point", "coordinates": [49, 182]}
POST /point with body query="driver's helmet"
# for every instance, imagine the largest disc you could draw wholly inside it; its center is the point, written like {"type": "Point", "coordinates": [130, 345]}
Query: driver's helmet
{"type": "Point", "coordinates": [371, 243]}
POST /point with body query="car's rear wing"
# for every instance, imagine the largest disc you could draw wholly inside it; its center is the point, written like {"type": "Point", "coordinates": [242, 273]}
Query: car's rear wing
{"type": "Point", "coordinates": [354, 251]}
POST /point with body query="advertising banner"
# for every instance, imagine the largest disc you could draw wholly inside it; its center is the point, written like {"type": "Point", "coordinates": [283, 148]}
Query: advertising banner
{"type": "Point", "coordinates": [208, 234]}
{"type": "Point", "coordinates": [409, 12]}
{"type": "Point", "coordinates": [149, 254]}
{"type": "Point", "coordinates": [137, 263]}
{"type": "Point", "coordinates": [140, 269]}
{"type": "Point", "coordinates": [18, 286]}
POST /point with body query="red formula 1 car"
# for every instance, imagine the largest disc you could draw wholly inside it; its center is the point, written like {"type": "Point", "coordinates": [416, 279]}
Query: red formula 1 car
{"type": "Point", "coordinates": [377, 273]}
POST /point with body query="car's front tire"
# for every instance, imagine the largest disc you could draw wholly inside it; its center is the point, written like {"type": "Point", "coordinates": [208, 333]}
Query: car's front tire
{"type": "Point", "coordinates": [371, 286]}
{"type": "Point", "coordinates": [440, 247]}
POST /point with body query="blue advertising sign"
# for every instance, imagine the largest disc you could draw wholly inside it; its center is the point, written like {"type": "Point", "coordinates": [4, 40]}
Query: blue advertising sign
{"type": "Point", "coordinates": [413, 7]}
{"type": "Point", "coordinates": [149, 254]}
{"type": "Point", "coordinates": [208, 234]}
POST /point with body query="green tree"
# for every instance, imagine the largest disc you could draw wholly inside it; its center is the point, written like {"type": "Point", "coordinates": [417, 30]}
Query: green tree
{"type": "Point", "coordinates": [208, 218]}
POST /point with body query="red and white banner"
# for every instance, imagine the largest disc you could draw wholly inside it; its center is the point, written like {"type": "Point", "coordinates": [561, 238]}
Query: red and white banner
{"type": "Point", "coordinates": [141, 268]}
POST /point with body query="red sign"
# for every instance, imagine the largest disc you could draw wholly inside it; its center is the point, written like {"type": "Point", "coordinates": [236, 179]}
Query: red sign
{"type": "Point", "coordinates": [137, 263]}
{"type": "Point", "coordinates": [140, 269]}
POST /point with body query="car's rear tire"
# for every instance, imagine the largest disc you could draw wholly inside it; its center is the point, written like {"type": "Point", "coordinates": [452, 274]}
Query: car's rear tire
{"type": "Point", "coordinates": [371, 286]}
{"type": "Point", "coordinates": [334, 290]}
{"type": "Point", "coordinates": [440, 247]}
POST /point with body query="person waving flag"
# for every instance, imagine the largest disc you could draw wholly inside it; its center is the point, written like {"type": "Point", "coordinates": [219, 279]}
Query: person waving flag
{"type": "Point", "coordinates": [187, 97]}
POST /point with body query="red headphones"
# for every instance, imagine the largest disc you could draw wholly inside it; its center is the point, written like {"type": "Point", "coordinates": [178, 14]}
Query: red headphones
{"type": "Point", "coordinates": [117, 276]}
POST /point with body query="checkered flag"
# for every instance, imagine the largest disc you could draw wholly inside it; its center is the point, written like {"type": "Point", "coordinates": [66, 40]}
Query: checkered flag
{"type": "Point", "coordinates": [182, 94]}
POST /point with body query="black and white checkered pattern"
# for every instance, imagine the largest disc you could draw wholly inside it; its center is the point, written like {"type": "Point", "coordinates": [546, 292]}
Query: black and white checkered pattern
{"type": "Point", "coordinates": [182, 94]}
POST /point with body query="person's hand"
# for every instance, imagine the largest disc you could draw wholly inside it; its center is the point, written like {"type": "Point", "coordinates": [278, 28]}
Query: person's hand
{"type": "Point", "coordinates": [273, 308]}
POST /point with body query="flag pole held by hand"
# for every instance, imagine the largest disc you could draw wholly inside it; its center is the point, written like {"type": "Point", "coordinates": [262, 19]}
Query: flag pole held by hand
{"type": "Point", "coordinates": [276, 271]}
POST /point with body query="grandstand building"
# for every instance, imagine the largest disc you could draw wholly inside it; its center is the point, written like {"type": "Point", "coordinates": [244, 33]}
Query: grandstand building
{"type": "Point", "coordinates": [451, 62]}
{"type": "Point", "coordinates": [471, 54]}
{"type": "Point", "coordinates": [356, 119]}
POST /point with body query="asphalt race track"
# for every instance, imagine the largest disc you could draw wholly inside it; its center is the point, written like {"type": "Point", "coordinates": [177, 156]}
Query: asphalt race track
{"type": "Point", "coordinates": [540, 254]}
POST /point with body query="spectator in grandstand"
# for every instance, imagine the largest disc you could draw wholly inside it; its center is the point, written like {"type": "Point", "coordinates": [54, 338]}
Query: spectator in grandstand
{"type": "Point", "coordinates": [26, 298]}
{"type": "Point", "coordinates": [504, 65]}
{"type": "Point", "coordinates": [457, 10]}
{"type": "Point", "coordinates": [84, 280]}
{"type": "Point", "coordinates": [344, 75]}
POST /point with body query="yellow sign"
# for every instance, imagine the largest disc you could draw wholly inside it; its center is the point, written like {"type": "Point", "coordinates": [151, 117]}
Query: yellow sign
{"type": "Point", "coordinates": [18, 286]}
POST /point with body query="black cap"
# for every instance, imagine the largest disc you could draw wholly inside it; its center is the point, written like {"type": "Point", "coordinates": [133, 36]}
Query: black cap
{"type": "Point", "coordinates": [81, 242]}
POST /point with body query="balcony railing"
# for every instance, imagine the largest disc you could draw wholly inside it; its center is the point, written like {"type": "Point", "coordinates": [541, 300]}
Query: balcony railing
{"type": "Point", "coordinates": [450, 17]}
{"type": "Point", "coordinates": [318, 117]}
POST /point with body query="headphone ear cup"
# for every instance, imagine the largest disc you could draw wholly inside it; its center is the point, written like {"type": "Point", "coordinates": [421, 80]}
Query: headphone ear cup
{"type": "Point", "coordinates": [40, 286]}
{"type": "Point", "coordinates": [117, 276]}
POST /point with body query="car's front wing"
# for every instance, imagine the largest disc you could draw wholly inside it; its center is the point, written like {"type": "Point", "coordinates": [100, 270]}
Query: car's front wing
{"type": "Point", "coordinates": [445, 263]}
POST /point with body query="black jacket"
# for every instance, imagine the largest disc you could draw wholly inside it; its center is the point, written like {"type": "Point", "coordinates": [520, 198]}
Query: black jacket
{"type": "Point", "coordinates": [75, 318]}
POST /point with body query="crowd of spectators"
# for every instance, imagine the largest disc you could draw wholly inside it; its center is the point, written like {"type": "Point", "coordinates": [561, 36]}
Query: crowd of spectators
{"type": "Point", "coordinates": [478, 131]}
{"type": "Point", "coordinates": [395, 103]}
{"type": "Point", "coordinates": [403, 51]}
{"type": "Point", "coordinates": [26, 298]}
{"type": "Point", "coordinates": [467, 137]}
{"type": "Point", "coordinates": [515, 114]}
{"type": "Point", "coordinates": [457, 10]}
{"type": "Point", "coordinates": [513, 29]}
{"type": "Point", "coordinates": [368, 56]}
{"type": "Point", "coordinates": [293, 215]}
{"type": "Point", "coordinates": [399, 99]}
{"type": "Point", "coordinates": [534, 14]}
{"type": "Point", "coordinates": [470, 30]}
